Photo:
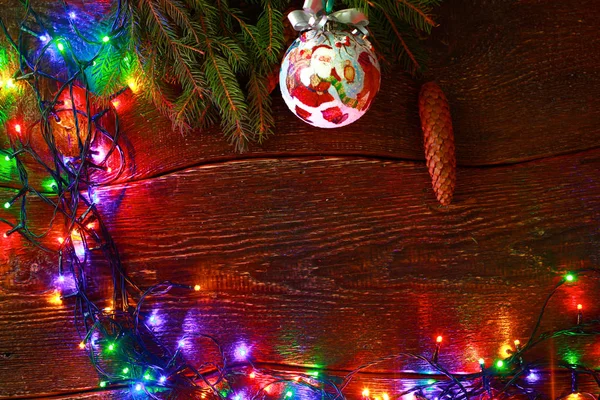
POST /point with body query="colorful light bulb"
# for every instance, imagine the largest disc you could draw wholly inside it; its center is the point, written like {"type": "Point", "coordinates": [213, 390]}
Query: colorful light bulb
{"type": "Point", "coordinates": [72, 15]}
{"type": "Point", "coordinates": [385, 396]}
{"type": "Point", "coordinates": [133, 85]}
{"type": "Point", "coordinates": [102, 384]}
{"type": "Point", "coordinates": [252, 375]}
{"type": "Point", "coordinates": [60, 47]}
{"type": "Point", "coordinates": [481, 362]}
{"type": "Point", "coordinates": [111, 347]}
{"type": "Point", "coordinates": [17, 128]}
{"type": "Point", "coordinates": [579, 307]}
{"type": "Point", "coordinates": [7, 205]}
{"type": "Point", "coordinates": [56, 298]}
{"type": "Point", "coordinates": [6, 158]}
{"type": "Point", "coordinates": [10, 83]}
{"type": "Point", "coordinates": [106, 39]}
{"type": "Point", "coordinates": [288, 394]}
{"type": "Point", "coordinates": [138, 387]}
{"type": "Point", "coordinates": [126, 370]}
{"type": "Point", "coordinates": [439, 339]}
{"type": "Point", "coordinates": [570, 277]}
{"type": "Point", "coordinates": [82, 345]}
{"type": "Point", "coordinates": [517, 342]}
{"type": "Point", "coordinates": [44, 38]}
{"type": "Point", "coordinates": [241, 352]}
{"type": "Point", "coordinates": [366, 392]}
{"type": "Point", "coordinates": [147, 376]}
{"type": "Point", "coordinates": [499, 363]}
{"type": "Point", "coordinates": [197, 288]}
{"type": "Point", "coordinates": [162, 379]}
{"type": "Point", "coordinates": [532, 377]}
{"type": "Point", "coordinates": [181, 343]}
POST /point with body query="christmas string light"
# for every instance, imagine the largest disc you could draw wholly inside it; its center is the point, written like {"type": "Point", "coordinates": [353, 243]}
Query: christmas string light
{"type": "Point", "coordinates": [119, 334]}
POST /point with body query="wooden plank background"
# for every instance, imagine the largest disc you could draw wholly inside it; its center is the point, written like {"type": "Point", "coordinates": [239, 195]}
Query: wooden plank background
{"type": "Point", "coordinates": [326, 247]}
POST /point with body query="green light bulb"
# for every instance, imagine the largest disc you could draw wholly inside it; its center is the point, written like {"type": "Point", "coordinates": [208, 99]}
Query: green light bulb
{"type": "Point", "coordinates": [106, 39]}
{"type": "Point", "coordinates": [111, 347]}
{"type": "Point", "coordinates": [569, 277]}
{"type": "Point", "coordinates": [125, 370]}
{"type": "Point", "coordinates": [430, 381]}
{"type": "Point", "coordinates": [147, 376]}
{"type": "Point", "coordinates": [288, 393]}
{"type": "Point", "coordinates": [7, 205]}
{"type": "Point", "coordinates": [7, 158]}
{"type": "Point", "coordinates": [102, 384]}
{"type": "Point", "coordinates": [499, 363]}
{"type": "Point", "coordinates": [61, 47]}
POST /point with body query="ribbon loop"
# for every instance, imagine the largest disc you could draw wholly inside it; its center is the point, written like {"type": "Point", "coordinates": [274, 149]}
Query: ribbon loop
{"type": "Point", "coordinates": [312, 17]}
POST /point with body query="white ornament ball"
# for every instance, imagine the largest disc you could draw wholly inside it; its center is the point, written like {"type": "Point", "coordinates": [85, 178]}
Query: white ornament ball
{"type": "Point", "coordinates": [330, 78]}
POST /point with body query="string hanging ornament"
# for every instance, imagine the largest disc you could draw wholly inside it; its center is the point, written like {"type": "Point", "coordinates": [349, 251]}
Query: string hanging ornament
{"type": "Point", "coordinates": [330, 75]}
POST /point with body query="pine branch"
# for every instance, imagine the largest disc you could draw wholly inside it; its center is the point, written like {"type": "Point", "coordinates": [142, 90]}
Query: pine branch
{"type": "Point", "coordinates": [164, 24]}
{"type": "Point", "coordinates": [228, 96]}
{"type": "Point", "coordinates": [260, 106]}
{"type": "Point", "coordinates": [420, 13]}
{"type": "Point", "coordinates": [270, 28]}
{"type": "Point", "coordinates": [204, 57]}
{"type": "Point", "coordinates": [401, 39]}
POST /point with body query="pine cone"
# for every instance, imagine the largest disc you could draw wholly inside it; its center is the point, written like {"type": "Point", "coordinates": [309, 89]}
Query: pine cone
{"type": "Point", "coordinates": [436, 123]}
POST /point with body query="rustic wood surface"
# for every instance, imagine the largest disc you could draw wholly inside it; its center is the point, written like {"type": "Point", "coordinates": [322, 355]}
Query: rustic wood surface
{"type": "Point", "coordinates": [327, 247]}
{"type": "Point", "coordinates": [521, 76]}
{"type": "Point", "coordinates": [331, 261]}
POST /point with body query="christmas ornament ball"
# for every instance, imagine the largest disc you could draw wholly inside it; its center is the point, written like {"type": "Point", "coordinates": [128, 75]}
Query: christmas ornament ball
{"type": "Point", "coordinates": [329, 78]}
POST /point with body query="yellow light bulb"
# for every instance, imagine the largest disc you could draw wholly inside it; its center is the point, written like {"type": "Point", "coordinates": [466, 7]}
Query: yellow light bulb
{"type": "Point", "coordinates": [82, 345]}
{"type": "Point", "coordinates": [385, 396]}
{"type": "Point", "coordinates": [197, 288]}
{"type": "Point", "coordinates": [517, 342]}
{"type": "Point", "coordinates": [365, 392]}
{"type": "Point", "coordinates": [133, 85]}
{"type": "Point", "coordinates": [55, 298]}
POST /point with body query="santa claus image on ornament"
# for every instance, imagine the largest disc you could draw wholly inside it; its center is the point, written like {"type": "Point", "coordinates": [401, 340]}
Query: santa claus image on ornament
{"type": "Point", "coordinates": [302, 83]}
{"type": "Point", "coordinates": [329, 79]}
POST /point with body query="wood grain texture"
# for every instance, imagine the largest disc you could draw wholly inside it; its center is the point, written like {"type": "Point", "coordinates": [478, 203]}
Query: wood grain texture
{"type": "Point", "coordinates": [522, 78]}
{"type": "Point", "coordinates": [338, 260]}
{"type": "Point", "coordinates": [330, 262]}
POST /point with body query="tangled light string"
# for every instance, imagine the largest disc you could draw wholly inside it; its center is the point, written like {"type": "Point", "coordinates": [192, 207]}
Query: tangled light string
{"type": "Point", "coordinates": [119, 339]}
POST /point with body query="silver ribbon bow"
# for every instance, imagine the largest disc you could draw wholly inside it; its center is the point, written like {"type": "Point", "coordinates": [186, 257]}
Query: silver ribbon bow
{"type": "Point", "coordinates": [314, 18]}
